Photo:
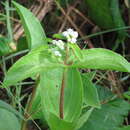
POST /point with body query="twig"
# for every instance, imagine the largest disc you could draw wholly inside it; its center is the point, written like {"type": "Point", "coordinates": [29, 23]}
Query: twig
{"type": "Point", "coordinates": [73, 24]}
{"type": "Point", "coordinates": [83, 16]}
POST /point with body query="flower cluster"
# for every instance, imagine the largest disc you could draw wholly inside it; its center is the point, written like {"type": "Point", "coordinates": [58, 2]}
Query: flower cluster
{"type": "Point", "coordinates": [58, 43]}
{"type": "Point", "coordinates": [71, 35]}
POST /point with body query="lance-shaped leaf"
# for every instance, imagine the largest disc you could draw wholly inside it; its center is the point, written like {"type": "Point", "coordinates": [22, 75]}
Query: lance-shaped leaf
{"type": "Point", "coordinates": [50, 84]}
{"type": "Point", "coordinates": [103, 59]}
{"type": "Point", "coordinates": [73, 96]}
{"type": "Point", "coordinates": [83, 119]}
{"type": "Point", "coordinates": [98, 13]}
{"type": "Point", "coordinates": [107, 15]}
{"type": "Point", "coordinates": [107, 9]}
{"type": "Point", "coordinates": [32, 27]}
{"type": "Point", "coordinates": [37, 60]}
{"type": "Point", "coordinates": [90, 93]}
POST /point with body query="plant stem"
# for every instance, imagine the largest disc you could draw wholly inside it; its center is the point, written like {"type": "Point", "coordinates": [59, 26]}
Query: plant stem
{"type": "Point", "coordinates": [29, 106]}
{"type": "Point", "coordinates": [61, 107]}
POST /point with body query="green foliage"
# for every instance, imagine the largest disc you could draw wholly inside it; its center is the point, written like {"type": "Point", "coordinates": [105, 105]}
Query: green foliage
{"type": "Point", "coordinates": [102, 11]}
{"type": "Point", "coordinates": [104, 93]}
{"type": "Point", "coordinates": [5, 106]}
{"type": "Point", "coordinates": [50, 84]}
{"type": "Point", "coordinates": [73, 95]}
{"type": "Point", "coordinates": [30, 65]}
{"type": "Point", "coordinates": [90, 93]}
{"type": "Point", "coordinates": [107, 15]}
{"type": "Point", "coordinates": [106, 9]}
{"type": "Point", "coordinates": [22, 44]}
{"type": "Point", "coordinates": [61, 98]}
{"type": "Point", "coordinates": [41, 59]}
{"type": "Point", "coordinates": [109, 117]}
{"type": "Point", "coordinates": [56, 123]}
{"type": "Point", "coordinates": [124, 128]}
{"type": "Point", "coordinates": [33, 29]}
{"type": "Point", "coordinates": [77, 51]}
{"type": "Point", "coordinates": [4, 46]}
{"type": "Point", "coordinates": [98, 58]}
{"type": "Point", "coordinates": [8, 119]}
{"type": "Point", "coordinates": [117, 18]}
{"type": "Point", "coordinates": [83, 119]}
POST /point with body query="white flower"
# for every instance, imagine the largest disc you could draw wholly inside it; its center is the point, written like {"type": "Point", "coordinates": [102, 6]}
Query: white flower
{"type": "Point", "coordinates": [72, 40]}
{"type": "Point", "coordinates": [71, 35]}
{"type": "Point", "coordinates": [58, 43]}
{"type": "Point", "coordinates": [75, 34]}
{"type": "Point", "coordinates": [54, 42]}
{"type": "Point", "coordinates": [57, 53]}
{"type": "Point", "coordinates": [65, 34]}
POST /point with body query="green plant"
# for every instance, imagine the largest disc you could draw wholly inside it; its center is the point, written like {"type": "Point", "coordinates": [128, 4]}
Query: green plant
{"type": "Point", "coordinates": [59, 95]}
{"type": "Point", "coordinates": [111, 12]}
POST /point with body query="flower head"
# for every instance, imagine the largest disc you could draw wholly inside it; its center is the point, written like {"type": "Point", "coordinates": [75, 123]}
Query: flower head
{"type": "Point", "coordinates": [58, 43]}
{"type": "Point", "coordinates": [71, 35]}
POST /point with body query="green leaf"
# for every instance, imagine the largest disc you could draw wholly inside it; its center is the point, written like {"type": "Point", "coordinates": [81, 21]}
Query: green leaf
{"type": "Point", "coordinates": [37, 60]}
{"type": "Point", "coordinates": [73, 95]}
{"type": "Point", "coordinates": [36, 108]}
{"type": "Point", "coordinates": [76, 50]}
{"type": "Point", "coordinates": [33, 29]}
{"type": "Point", "coordinates": [98, 13]}
{"type": "Point", "coordinates": [22, 44]}
{"type": "Point", "coordinates": [4, 46]}
{"type": "Point", "coordinates": [117, 18]}
{"type": "Point", "coordinates": [90, 93]}
{"type": "Point", "coordinates": [108, 9]}
{"type": "Point", "coordinates": [109, 117]}
{"type": "Point", "coordinates": [103, 59]}
{"type": "Point", "coordinates": [125, 128]}
{"type": "Point", "coordinates": [83, 118]}
{"type": "Point", "coordinates": [107, 15]}
{"type": "Point", "coordinates": [57, 124]}
{"type": "Point", "coordinates": [59, 36]}
{"type": "Point", "coordinates": [50, 83]}
{"type": "Point", "coordinates": [4, 105]}
{"type": "Point", "coordinates": [8, 121]}
{"type": "Point", "coordinates": [104, 93]}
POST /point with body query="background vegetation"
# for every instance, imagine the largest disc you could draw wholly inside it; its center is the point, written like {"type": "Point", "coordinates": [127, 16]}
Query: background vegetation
{"type": "Point", "coordinates": [100, 24]}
